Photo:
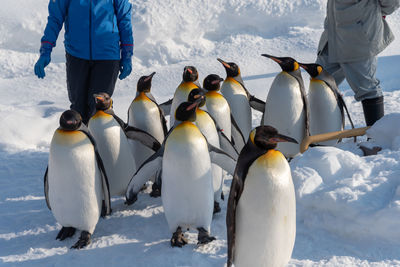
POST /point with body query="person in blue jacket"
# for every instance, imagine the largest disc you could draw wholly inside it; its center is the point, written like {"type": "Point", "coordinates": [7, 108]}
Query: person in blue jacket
{"type": "Point", "coordinates": [98, 42]}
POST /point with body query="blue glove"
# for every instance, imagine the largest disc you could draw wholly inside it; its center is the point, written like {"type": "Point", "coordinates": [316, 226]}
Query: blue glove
{"type": "Point", "coordinates": [44, 60]}
{"type": "Point", "coordinates": [125, 65]}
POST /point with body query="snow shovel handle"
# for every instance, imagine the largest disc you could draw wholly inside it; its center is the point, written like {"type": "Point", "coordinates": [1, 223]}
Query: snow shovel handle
{"type": "Point", "coordinates": [330, 136]}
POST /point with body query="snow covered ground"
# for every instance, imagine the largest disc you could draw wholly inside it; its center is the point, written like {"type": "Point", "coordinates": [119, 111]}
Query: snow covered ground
{"type": "Point", "coordinates": [348, 206]}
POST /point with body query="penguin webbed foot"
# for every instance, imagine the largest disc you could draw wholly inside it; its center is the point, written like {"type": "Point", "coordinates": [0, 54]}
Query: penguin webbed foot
{"type": "Point", "coordinates": [204, 236]}
{"type": "Point", "coordinates": [178, 239]}
{"type": "Point", "coordinates": [155, 190]}
{"type": "Point", "coordinates": [83, 241]}
{"type": "Point", "coordinates": [65, 232]}
{"type": "Point", "coordinates": [217, 208]}
{"type": "Point", "coordinates": [131, 199]}
{"type": "Point", "coordinates": [370, 151]}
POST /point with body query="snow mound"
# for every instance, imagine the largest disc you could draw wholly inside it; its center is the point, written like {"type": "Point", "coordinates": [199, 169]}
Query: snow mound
{"type": "Point", "coordinates": [386, 132]}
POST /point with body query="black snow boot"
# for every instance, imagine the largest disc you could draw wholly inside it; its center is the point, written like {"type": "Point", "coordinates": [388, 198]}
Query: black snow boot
{"type": "Point", "coordinates": [373, 109]}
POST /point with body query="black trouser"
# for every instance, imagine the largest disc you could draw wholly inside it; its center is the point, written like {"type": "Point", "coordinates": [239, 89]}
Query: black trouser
{"type": "Point", "coordinates": [88, 77]}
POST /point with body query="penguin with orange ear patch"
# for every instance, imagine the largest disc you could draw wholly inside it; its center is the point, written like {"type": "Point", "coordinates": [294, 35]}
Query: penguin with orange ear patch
{"type": "Point", "coordinates": [261, 214]}
{"type": "Point", "coordinates": [326, 103]}
{"type": "Point", "coordinates": [111, 135]}
{"type": "Point", "coordinates": [287, 108]}
{"type": "Point", "coordinates": [239, 98]}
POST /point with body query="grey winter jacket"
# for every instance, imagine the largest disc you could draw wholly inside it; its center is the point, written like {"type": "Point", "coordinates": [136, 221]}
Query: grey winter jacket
{"type": "Point", "coordinates": [356, 30]}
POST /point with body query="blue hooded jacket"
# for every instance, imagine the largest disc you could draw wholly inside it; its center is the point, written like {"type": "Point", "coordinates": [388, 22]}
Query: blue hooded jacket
{"type": "Point", "coordinates": [94, 29]}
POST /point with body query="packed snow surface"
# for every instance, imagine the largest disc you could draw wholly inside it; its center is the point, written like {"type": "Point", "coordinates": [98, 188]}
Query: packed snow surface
{"type": "Point", "coordinates": [348, 206]}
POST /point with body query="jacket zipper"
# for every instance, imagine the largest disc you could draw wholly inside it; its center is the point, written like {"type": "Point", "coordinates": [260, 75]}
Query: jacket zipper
{"type": "Point", "coordinates": [90, 29]}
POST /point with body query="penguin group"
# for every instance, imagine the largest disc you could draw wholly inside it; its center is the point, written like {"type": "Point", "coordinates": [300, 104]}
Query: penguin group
{"type": "Point", "coordinates": [210, 134]}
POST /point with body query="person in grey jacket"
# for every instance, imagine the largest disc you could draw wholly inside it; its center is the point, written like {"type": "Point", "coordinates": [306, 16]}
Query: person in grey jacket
{"type": "Point", "coordinates": [355, 32]}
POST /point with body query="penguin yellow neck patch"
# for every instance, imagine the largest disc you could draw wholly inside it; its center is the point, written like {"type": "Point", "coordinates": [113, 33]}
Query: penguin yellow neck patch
{"type": "Point", "coordinates": [270, 158]}
{"type": "Point", "coordinates": [187, 86]}
{"type": "Point", "coordinates": [296, 66]}
{"type": "Point", "coordinates": [231, 80]}
{"type": "Point", "coordinates": [213, 94]}
{"type": "Point", "coordinates": [141, 97]}
{"type": "Point", "coordinates": [100, 114]}
{"type": "Point", "coordinates": [252, 135]}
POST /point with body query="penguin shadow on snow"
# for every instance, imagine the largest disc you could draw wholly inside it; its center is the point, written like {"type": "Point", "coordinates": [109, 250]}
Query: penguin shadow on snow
{"type": "Point", "coordinates": [47, 109]}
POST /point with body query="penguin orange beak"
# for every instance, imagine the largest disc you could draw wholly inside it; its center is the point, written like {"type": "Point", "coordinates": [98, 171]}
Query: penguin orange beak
{"type": "Point", "coordinates": [273, 58]}
{"type": "Point", "coordinates": [98, 98]}
{"type": "Point", "coordinates": [196, 103]}
{"type": "Point", "coordinates": [190, 71]}
{"type": "Point", "coordinates": [226, 65]}
{"type": "Point", "coordinates": [282, 138]}
{"type": "Point", "coordinates": [217, 81]}
{"type": "Point", "coordinates": [149, 77]}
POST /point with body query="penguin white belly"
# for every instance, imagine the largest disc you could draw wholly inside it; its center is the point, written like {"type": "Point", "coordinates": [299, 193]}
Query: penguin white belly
{"type": "Point", "coordinates": [207, 127]}
{"type": "Point", "coordinates": [219, 109]}
{"type": "Point", "coordinates": [75, 189]}
{"type": "Point", "coordinates": [114, 150]}
{"type": "Point", "coordinates": [145, 115]}
{"type": "Point", "coordinates": [285, 112]}
{"type": "Point", "coordinates": [325, 115]}
{"type": "Point", "coordinates": [181, 95]}
{"type": "Point", "coordinates": [187, 191]}
{"type": "Point", "coordinates": [239, 105]}
{"type": "Point", "coordinates": [266, 214]}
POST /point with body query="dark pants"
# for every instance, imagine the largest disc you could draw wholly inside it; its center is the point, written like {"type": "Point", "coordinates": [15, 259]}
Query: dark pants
{"type": "Point", "coordinates": [88, 77]}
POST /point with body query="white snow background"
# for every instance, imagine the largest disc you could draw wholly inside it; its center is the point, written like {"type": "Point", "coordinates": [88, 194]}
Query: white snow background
{"type": "Point", "coordinates": [348, 206]}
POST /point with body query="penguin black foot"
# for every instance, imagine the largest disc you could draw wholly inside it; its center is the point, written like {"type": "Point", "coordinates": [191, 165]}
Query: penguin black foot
{"type": "Point", "coordinates": [222, 196]}
{"type": "Point", "coordinates": [83, 241]}
{"type": "Point", "coordinates": [204, 237]}
{"type": "Point", "coordinates": [370, 151]}
{"type": "Point", "coordinates": [217, 208]}
{"type": "Point", "coordinates": [132, 199]}
{"type": "Point", "coordinates": [156, 190]}
{"type": "Point", "coordinates": [178, 239]}
{"type": "Point", "coordinates": [65, 232]}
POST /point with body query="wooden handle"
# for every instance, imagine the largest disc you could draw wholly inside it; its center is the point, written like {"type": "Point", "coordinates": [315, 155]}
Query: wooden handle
{"type": "Point", "coordinates": [330, 136]}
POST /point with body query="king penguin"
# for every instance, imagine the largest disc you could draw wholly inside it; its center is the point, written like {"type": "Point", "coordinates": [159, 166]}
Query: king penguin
{"type": "Point", "coordinates": [75, 181]}
{"type": "Point", "coordinates": [190, 80]}
{"type": "Point", "coordinates": [112, 138]}
{"type": "Point", "coordinates": [185, 160]}
{"type": "Point", "coordinates": [219, 109]}
{"type": "Point", "coordinates": [212, 133]}
{"type": "Point", "coordinates": [145, 114]}
{"type": "Point", "coordinates": [287, 109]}
{"type": "Point", "coordinates": [261, 214]}
{"type": "Point", "coordinates": [326, 103]}
{"type": "Point", "coordinates": [239, 98]}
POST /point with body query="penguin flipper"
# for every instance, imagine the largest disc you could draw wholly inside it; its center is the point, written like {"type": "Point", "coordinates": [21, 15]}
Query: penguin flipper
{"type": "Point", "coordinates": [143, 137]}
{"type": "Point", "coordinates": [166, 106]}
{"type": "Point", "coordinates": [234, 195]}
{"type": "Point", "coordinates": [257, 103]}
{"type": "Point", "coordinates": [222, 159]}
{"type": "Point", "coordinates": [227, 145]}
{"type": "Point", "coordinates": [46, 187]}
{"type": "Point", "coordinates": [237, 136]}
{"type": "Point", "coordinates": [149, 167]}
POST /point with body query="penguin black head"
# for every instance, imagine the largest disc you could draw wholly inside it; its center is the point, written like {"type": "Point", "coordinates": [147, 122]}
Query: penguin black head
{"type": "Point", "coordinates": [144, 83]}
{"type": "Point", "coordinates": [197, 95]}
{"type": "Point", "coordinates": [232, 69]}
{"type": "Point", "coordinates": [266, 137]}
{"type": "Point", "coordinates": [190, 74]}
{"type": "Point", "coordinates": [103, 101]}
{"type": "Point", "coordinates": [212, 82]}
{"type": "Point", "coordinates": [313, 69]}
{"type": "Point", "coordinates": [70, 120]}
{"type": "Point", "coordinates": [287, 64]}
{"type": "Point", "coordinates": [186, 111]}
